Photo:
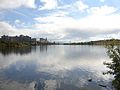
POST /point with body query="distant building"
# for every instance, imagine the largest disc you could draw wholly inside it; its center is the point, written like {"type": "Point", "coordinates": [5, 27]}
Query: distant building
{"type": "Point", "coordinates": [20, 38]}
{"type": "Point", "coordinates": [4, 38]}
{"type": "Point", "coordinates": [33, 41]}
{"type": "Point", "coordinates": [43, 41]}
{"type": "Point", "coordinates": [24, 39]}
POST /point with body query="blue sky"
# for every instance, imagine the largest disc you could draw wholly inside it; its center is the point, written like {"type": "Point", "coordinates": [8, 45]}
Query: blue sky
{"type": "Point", "coordinates": [61, 20]}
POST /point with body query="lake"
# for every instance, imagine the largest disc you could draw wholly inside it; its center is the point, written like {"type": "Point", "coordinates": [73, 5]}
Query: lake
{"type": "Point", "coordinates": [55, 67]}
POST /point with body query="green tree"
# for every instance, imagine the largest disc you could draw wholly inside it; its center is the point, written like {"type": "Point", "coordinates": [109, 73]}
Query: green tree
{"type": "Point", "coordinates": [114, 66]}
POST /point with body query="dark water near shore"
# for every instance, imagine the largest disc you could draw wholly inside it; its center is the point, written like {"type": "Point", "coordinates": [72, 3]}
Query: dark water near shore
{"type": "Point", "coordinates": [54, 68]}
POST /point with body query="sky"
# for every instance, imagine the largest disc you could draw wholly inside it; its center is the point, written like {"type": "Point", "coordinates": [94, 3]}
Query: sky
{"type": "Point", "coordinates": [61, 20]}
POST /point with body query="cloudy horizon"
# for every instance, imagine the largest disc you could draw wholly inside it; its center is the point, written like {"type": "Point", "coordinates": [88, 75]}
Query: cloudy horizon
{"type": "Point", "coordinates": [61, 20]}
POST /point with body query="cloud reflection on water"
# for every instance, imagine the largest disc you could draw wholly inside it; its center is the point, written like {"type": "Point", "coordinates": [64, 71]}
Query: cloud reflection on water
{"type": "Point", "coordinates": [56, 66]}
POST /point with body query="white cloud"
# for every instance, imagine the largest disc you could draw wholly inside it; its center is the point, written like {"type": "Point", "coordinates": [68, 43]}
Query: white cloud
{"type": "Point", "coordinates": [11, 4]}
{"type": "Point", "coordinates": [103, 10]}
{"type": "Point", "coordinates": [30, 3]}
{"type": "Point", "coordinates": [49, 4]}
{"type": "Point", "coordinates": [106, 36]}
{"type": "Point", "coordinates": [7, 29]}
{"type": "Point", "coordinates": [100, 21]}
{"type": "Point", "coordinates": [80, 5]}
{"type": "Point", "coordinates": [96, 20]}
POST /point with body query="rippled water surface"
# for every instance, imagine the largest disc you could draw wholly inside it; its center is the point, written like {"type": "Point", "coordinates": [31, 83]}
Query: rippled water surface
{"type": "Point", "coordinates": [54, 68]}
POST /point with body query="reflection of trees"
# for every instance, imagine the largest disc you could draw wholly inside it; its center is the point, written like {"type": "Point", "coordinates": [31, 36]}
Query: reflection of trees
{"type": "Point", "coordinates": [114, 66]}
{"type": "Point", "coordinates": [8, 50]}
{"type": "Point", "coordinates": [43, 48]}
{"type": "Point", "coordinates": [22, 50]}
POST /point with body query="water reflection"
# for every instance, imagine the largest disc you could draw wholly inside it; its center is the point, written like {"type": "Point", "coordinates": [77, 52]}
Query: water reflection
{"type": "Point", "coordinates": [21, 51]}
{"type": "Point", "coordinates": [43, 48]}
{"type": "Point", "coordinates": [55, 68]}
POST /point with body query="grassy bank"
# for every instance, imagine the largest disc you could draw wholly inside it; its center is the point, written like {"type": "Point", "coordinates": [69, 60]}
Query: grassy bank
{"type": "Point", "coordinates": [13, 44]}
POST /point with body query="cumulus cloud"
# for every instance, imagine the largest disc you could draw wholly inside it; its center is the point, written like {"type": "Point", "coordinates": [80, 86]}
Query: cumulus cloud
{"type": "Point", "coordinates": [7, 29]}
{"type": "Point", "coordinates": [101, 20]}
{"type": "Point", "coordinates": [59, 25]}
{"type": "Point", "coordinates": [48, 4]}
{"type": "Point", "coordinates": [103, 10]}
{"type": "Point", "coordinates": [11, 4]}
{"type": "Point", "coordinates": [106, 36]}
{"type": "Point", "coordinates": [80, 5]}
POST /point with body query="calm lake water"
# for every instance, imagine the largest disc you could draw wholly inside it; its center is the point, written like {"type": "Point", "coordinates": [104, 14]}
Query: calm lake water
{"type": "Point", "coordinates": [54, 68]}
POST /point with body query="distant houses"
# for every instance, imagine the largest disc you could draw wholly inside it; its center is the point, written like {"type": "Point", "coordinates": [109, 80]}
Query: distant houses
{"type": "Point", "coordinates": [19, 41]}
{"type": "Point", "coordinates": [24, 39]}
{"type": "Point", "coordinates": [33, 41]}
{"type": "Point", "coordinates": [43, 41]}
{"type": "Point", "coordinates": [20, 38]}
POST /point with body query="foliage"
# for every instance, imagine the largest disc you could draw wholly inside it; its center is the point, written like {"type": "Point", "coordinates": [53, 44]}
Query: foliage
{"type": "Point", "coordinates": [13, 44]}
{"type": "Point", "coordinates": [114, 66]}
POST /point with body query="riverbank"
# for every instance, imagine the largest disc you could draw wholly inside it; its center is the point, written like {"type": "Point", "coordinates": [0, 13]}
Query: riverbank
{"type": "Point", "coordinates": [26, 44]}
{"type": "Point", "coordinates": [97, 42]}
{"type": "Point", "coordinates": [13, 44]}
